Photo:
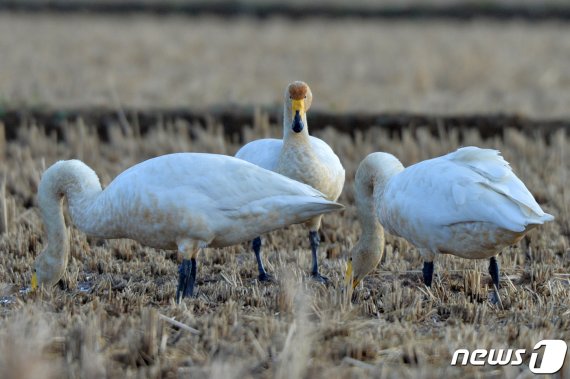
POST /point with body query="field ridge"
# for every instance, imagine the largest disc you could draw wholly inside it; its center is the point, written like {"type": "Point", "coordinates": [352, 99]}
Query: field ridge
{"type": "Point", "coordinates": [226, 9]}
{"type": "Point", "coordinates": [233, 119]}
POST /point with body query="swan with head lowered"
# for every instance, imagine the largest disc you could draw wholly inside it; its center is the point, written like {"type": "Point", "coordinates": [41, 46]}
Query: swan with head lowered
{"type": "Point", "coordinates": [180, 201]}
{"type": "Point", "coordinates": [467, 203]}
{"type": "Point", "coordinates": [301, 157]}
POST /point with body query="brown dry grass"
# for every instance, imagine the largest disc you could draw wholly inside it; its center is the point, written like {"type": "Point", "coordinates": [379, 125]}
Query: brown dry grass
{"type": "Point", "coordinates": [427, 67]}
{"type": "Point", "coordinates": [102, 320]}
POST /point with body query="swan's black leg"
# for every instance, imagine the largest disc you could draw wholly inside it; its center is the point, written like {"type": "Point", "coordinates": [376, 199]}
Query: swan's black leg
{"type": "Point", "coordinates": [263, 275]}
{"type": "Point", "coordinates": [186, 279]}
{"type": "Point", "coordinates": [428, 273]}
{"type": "Point", "coordinates": [189, 291]}
{"type": "Point", "coordinates": [315, 240]}
{"type": "Point", "coordinates": [183, 277]}
{"type": "Point", "coordinates": [494, 272]}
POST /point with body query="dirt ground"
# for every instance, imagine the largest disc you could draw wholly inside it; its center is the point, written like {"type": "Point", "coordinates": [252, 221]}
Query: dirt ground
{"type": "Point", "coordinates": [104, 318]}
{"type": "Point", "coordinates": [352, 65]}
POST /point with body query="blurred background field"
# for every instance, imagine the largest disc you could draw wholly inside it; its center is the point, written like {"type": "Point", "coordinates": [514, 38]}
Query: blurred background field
{"type": "Point", "coordinates": [60, 61]}
{"type": "Point", "coordinates": [103, 318]}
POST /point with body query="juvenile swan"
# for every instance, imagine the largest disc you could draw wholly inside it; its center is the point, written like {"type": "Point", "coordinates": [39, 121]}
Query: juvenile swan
{"type": "Point", "coordinates": [177, 201]}
{"type": "Point", "coordinates": [300, 157]}
{"type": "Point", "coordinates": [467, 203]}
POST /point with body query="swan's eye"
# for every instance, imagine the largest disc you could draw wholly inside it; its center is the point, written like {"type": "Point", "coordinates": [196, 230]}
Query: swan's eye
{"type": "Point", "coordinates": [305, 96]}
{"type": "Point", "coordinates": [291, 97]}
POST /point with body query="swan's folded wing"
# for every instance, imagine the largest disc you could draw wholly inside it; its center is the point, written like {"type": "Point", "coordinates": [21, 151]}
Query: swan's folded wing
{"type": "Point", "coordinates": [487, 162]}
{"type": "Point", "coordinates": [279, 211]}
{"type": "Point", "coordinates": [211, 193]}
{"type": "Point", "coordinates": [443, 191]}
{"type": "Point", "coordinates": [327, 156]}
{"type": "Point", "coordinates": [229, 182]}
{"type": "Point", "coordinates": [246, 183]}
{"type": "Point", "coordinates": [498, 176]}
{"type": "Point", "coordinates": [259, 199]}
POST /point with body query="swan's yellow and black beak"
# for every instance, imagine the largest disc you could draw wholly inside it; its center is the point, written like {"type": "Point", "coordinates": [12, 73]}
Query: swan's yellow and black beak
{"type": "Point", "coordinates": [297, 113]}
{"type": "Point", "coordinates": [348, 276]}
{"type": "Point", "coordinates": [34, 283]}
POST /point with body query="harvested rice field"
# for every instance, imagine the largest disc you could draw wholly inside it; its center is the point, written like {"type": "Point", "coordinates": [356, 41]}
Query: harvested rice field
{"type": "Point", "coordinates": [106, 317]}
{"type": "Point", "coordinates": [115, 89]}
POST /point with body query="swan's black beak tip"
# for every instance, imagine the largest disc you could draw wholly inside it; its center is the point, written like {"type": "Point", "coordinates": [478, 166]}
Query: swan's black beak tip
{"type": "Point", "coordinates": [297, 123]}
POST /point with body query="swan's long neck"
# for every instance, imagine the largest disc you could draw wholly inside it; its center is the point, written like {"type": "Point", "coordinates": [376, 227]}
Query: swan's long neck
{"type": "Point", "coordinates": [372, 177]}
{"type": "Point", "coordinates": [372, 236]}
{"type": "Point", "coordinates": [80, 185]}
{"type": "Point", "coordinates": [53, 260]}
{"type": "Point", "coordinates": [77, 182]}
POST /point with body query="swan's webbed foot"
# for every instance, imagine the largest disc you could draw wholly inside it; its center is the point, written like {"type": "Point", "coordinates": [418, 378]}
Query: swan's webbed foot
{"type": "Point", "coordinates": [266, 277]}
{"type": "Point", "coordinates": [186, 279]}
{"type": "Point", "coordinates": [494, 298]}
{"type": "Point", "coordinates": [428, 273]}
{"type": "Point", "coordinates": [319, 278]}
{"type": "Point", "coordinates": [263, 275]}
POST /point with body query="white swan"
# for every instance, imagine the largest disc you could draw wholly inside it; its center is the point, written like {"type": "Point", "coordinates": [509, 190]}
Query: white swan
{"type": "Point", "coordinates": [177, 201]}
{"type": "Point", "coordinates": [300, 157]}
{"type": "Point", "coordinates": [467, 203]}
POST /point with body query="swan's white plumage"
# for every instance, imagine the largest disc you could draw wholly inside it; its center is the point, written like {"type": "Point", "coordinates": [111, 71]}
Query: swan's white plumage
{"type": "Point", "coordinates": [298, 156]}
{"type": "Point", "coordinates": [167, 198]}
{"type": "Point", "coordinates": [170, 200]}
{"type": "Point", "coordinates": [434, 202]}
{"type": "Point", "coordinates": [265, 153]}
{"type": "Point", "coordinates": [467, 203]}
{"type": "Point", "coordinates": [490, 165]}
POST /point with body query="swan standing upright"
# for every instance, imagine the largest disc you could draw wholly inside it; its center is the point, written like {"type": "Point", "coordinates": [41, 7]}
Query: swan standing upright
{"type": "Point", "coordinates": [467, 203]}
{"type": "Point", "coordinates": [179, 201]}
{"type": "Point", "coordinates": [301, 157]}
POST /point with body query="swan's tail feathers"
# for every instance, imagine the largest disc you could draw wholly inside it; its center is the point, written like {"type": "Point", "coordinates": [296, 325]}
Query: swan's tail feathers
{"type": "Point", "coordinates": [531, 223]}
{"type": "Point", "coordinates": [531, 219]}
{"type": "Point", "coordinates": [305, 208]}
{"type": "Point", "coordinates": [539, 220]}
{"type": "Point", "coordinates": [277, 212]}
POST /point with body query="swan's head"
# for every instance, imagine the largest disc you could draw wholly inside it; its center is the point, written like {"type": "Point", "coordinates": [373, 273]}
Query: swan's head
{"type": "Point", "coordinates": [361, 262]}
{"type": "Point", "coordinates": [298, 99]}
{"type": "Point", "coordinates": [47, 271]}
